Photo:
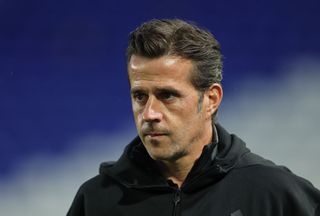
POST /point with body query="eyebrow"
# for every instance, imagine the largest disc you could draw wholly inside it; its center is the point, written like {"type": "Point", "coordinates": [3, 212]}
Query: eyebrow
{"type": "Point", "coordinates": [136, 89]}
{"type": "Point", "coordinates": [157, 90]}
{"type": "Point", "coordinates": [168, 90]}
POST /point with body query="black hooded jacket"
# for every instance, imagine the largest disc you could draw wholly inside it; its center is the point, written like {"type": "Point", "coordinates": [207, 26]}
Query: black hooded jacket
{"type": "Point", "coordinates": [235, 183]}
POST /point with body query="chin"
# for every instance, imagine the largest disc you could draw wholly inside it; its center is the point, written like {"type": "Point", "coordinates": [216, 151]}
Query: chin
{"type": "Point", "coordinates": [170, 156]}
{"type": "Point", "coordinates": [157, 154]}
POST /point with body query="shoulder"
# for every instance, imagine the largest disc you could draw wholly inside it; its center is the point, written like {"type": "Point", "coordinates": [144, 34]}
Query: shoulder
{"type": "Point", "coordinates": [279, 187]}
{"type": "Point", "coordinates": [96, 194]}
{"type": "Point", "coordinates": [268, 174]}
{"type": "Point", "coordinates": [256, 169]}
{"type": "Point", "coordinates": [99, 181]}
{"type": "Point", "coordinates": [91, 182]}
{"type": "Point", "coordinates": [259, 171]}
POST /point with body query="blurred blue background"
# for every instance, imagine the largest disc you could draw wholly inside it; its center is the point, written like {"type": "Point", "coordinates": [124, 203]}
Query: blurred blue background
{"type": "Point", "coordinates": [64, 95]}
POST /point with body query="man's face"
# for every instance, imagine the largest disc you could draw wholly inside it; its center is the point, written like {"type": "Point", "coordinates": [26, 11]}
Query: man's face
{"type": "Point", "coordinates": [165, 107]}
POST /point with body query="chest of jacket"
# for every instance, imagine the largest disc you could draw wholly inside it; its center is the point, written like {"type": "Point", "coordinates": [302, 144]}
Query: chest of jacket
{"type": "Point", "coordinates": [233, 196]}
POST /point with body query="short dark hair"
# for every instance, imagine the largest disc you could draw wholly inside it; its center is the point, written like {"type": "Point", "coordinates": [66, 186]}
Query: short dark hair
{"type": "Point", "coordinates": [176, 37]}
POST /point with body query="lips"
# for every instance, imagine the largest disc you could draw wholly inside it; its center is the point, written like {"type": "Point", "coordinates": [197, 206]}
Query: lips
{"type": "Point", "coordinates": [152, 133]}
{"type": "Point", "coordinates": [155, 134]}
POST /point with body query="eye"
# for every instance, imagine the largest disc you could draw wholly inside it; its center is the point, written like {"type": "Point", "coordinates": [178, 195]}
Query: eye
{"type": "Point", "coordinates": [166, 95]}
{"type": "Point", "coordinates": [139, 97]}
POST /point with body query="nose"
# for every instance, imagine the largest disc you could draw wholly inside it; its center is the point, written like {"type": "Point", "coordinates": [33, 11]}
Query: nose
{"type": "Point", "coordinates": [152, 111]}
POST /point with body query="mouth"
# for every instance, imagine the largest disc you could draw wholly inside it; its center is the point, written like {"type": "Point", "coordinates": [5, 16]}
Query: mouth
{"type": "Point", "coordinates": [154, 134]}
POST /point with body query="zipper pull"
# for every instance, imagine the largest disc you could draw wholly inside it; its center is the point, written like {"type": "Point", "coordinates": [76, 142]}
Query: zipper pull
{"type": "Point", "coordinates": [176, 201]}
{"type": "Point", "coordinates": [176, 198]}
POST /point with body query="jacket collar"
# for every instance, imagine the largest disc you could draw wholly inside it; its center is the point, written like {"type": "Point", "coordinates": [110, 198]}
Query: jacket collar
{"type": "Point", "coordinates": [136, 169]}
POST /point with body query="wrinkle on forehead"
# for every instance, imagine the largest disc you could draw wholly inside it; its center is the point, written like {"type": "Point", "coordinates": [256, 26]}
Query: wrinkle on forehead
{"type": "Point", "coordinates": [139, 62]}
{"type": "Point", "coordinates": [161, 71]}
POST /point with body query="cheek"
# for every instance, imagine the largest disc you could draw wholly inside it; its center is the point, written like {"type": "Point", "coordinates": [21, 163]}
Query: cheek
{"type": "Point", "coordinates": [184, 113]}
{"type": "Point", "coordinates": [136, 117]}
{"type": "Point", "coordinates": [182, 119]}
{"type": "Point", "coordinates": [190, 111]}
{"type": "Point", "coordinates": [138, 120]}
{"type": "Point", "coordinates": [135, 111]}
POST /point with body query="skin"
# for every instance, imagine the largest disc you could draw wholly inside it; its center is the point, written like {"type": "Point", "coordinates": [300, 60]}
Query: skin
{"type": "Point", "coordinates": [166, 112]}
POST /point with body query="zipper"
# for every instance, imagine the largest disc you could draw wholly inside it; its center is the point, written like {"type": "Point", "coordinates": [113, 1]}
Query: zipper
{"type": "Point", "coordinates": [176, 202]}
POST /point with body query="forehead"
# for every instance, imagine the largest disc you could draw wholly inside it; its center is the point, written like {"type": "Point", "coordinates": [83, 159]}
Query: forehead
{"type": "Point", "coordinates": [165, 70]}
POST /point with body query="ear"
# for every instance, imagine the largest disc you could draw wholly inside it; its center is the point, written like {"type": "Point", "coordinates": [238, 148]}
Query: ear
{"type": "Point", "coordinates": [213, 98]}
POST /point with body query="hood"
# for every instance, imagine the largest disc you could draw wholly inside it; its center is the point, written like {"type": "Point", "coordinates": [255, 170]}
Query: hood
{"type": "Point", "coordinates": [136, 169]}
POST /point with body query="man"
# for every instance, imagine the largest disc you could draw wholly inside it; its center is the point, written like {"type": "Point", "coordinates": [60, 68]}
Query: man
{"type": "Point", "coordinates": [183, 162]}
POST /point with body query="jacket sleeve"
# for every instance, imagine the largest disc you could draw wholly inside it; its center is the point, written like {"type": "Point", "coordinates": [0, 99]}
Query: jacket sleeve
{"type": "Point", "coordinates": [77, 206]}
{"type": "Point", "coordinates": [317, 212]}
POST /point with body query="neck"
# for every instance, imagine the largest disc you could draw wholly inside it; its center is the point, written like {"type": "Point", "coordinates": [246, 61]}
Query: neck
{"type": "Point", "coordinates": [177, 170]}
